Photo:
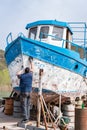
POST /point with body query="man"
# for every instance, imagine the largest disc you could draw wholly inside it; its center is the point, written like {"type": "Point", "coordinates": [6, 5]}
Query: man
{"type": "Point", "coordinates": [25, 91]}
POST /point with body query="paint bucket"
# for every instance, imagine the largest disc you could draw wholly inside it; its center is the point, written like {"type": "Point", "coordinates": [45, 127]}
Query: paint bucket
{"type": "Point", "coordinates": [17, 111]}
{"type": "Point", "coordinates": [8, 106]}
{"type": "Point", "coordinates": [80, 119]}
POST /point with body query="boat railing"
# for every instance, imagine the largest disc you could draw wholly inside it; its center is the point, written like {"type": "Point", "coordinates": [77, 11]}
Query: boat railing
{"type": "Point", "coordinates": [9, 38]}
{"type": "Point", "coordinates": [79, 30]}
{"type": "Point", "coordinates": [56, 38]}
{"type": "Point", "coordinates": [21, 34]}
{"type": "Point", "coordinates": [61, 39]}
{"type": "Point", "coordinates": [76, 46]}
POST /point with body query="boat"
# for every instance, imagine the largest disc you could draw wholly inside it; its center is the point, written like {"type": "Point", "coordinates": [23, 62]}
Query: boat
{"type": "Point", "coordinates": [52, 47]}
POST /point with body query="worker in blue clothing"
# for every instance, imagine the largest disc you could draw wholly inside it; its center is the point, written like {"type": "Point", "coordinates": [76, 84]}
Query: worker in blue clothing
{"type": "Point", "coordinates": [25, 91]}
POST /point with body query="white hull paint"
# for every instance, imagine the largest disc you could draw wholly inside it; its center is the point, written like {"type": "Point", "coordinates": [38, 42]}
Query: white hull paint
{"type": "Point", "coordinates": [54, 78]}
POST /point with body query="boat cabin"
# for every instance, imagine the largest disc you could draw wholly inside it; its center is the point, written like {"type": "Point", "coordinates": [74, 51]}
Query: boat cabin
{"type": "Point", "coordinates": [52, 32]}
{"type": "Point", "coordinates": [55, 33]}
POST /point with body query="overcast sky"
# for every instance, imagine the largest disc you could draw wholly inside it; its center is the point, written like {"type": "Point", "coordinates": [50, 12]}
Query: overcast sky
{"type": "Point", "coordinates": [15, 14]}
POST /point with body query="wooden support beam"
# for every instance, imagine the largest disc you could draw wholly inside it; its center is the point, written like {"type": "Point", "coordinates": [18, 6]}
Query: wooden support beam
{"type": "Point", "coordinates": [38, 99]}
{"type": "Point", "coordinates": [42, 106]}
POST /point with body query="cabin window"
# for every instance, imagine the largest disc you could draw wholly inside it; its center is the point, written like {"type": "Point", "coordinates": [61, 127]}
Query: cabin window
{"type": "Point", "coordinates": [44, 32]}
{"type": "Point", "coordinates": [57, 33]}
{"type": "Point", "coordinates": [32, 33]}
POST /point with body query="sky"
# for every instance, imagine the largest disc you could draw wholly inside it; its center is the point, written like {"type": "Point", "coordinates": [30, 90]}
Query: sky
{"type": "Point", "coordinates": [15, 14]}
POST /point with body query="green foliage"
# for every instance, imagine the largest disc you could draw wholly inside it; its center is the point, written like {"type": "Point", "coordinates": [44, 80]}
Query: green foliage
{"type": "Point", "coordinates": [2, 60]}
{"type": "Point", "coordinates": [5, 87]}
{"type": "Point", "coordinates": [4, 77]}
{"type": "Point", "coordinates": [4, 74]}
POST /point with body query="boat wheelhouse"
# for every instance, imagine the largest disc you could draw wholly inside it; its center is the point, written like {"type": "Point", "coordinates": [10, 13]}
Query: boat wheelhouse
{"type": "Point", "coordinates": [51, 32]}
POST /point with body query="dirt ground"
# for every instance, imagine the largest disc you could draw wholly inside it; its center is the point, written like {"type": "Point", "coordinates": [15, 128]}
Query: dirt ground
{"type": "Point", "coordinates": [8, 122]}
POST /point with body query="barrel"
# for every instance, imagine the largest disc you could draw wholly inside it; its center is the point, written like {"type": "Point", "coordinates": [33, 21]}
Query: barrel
{"type": "Point", "coordinates": [17, 111]}
{"type": "Point", "coordinates": [80, 119]}
{"type": "Point", "coordinates": [8, 106]}
{"type": "Point", "coordinates": [69, 112]}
